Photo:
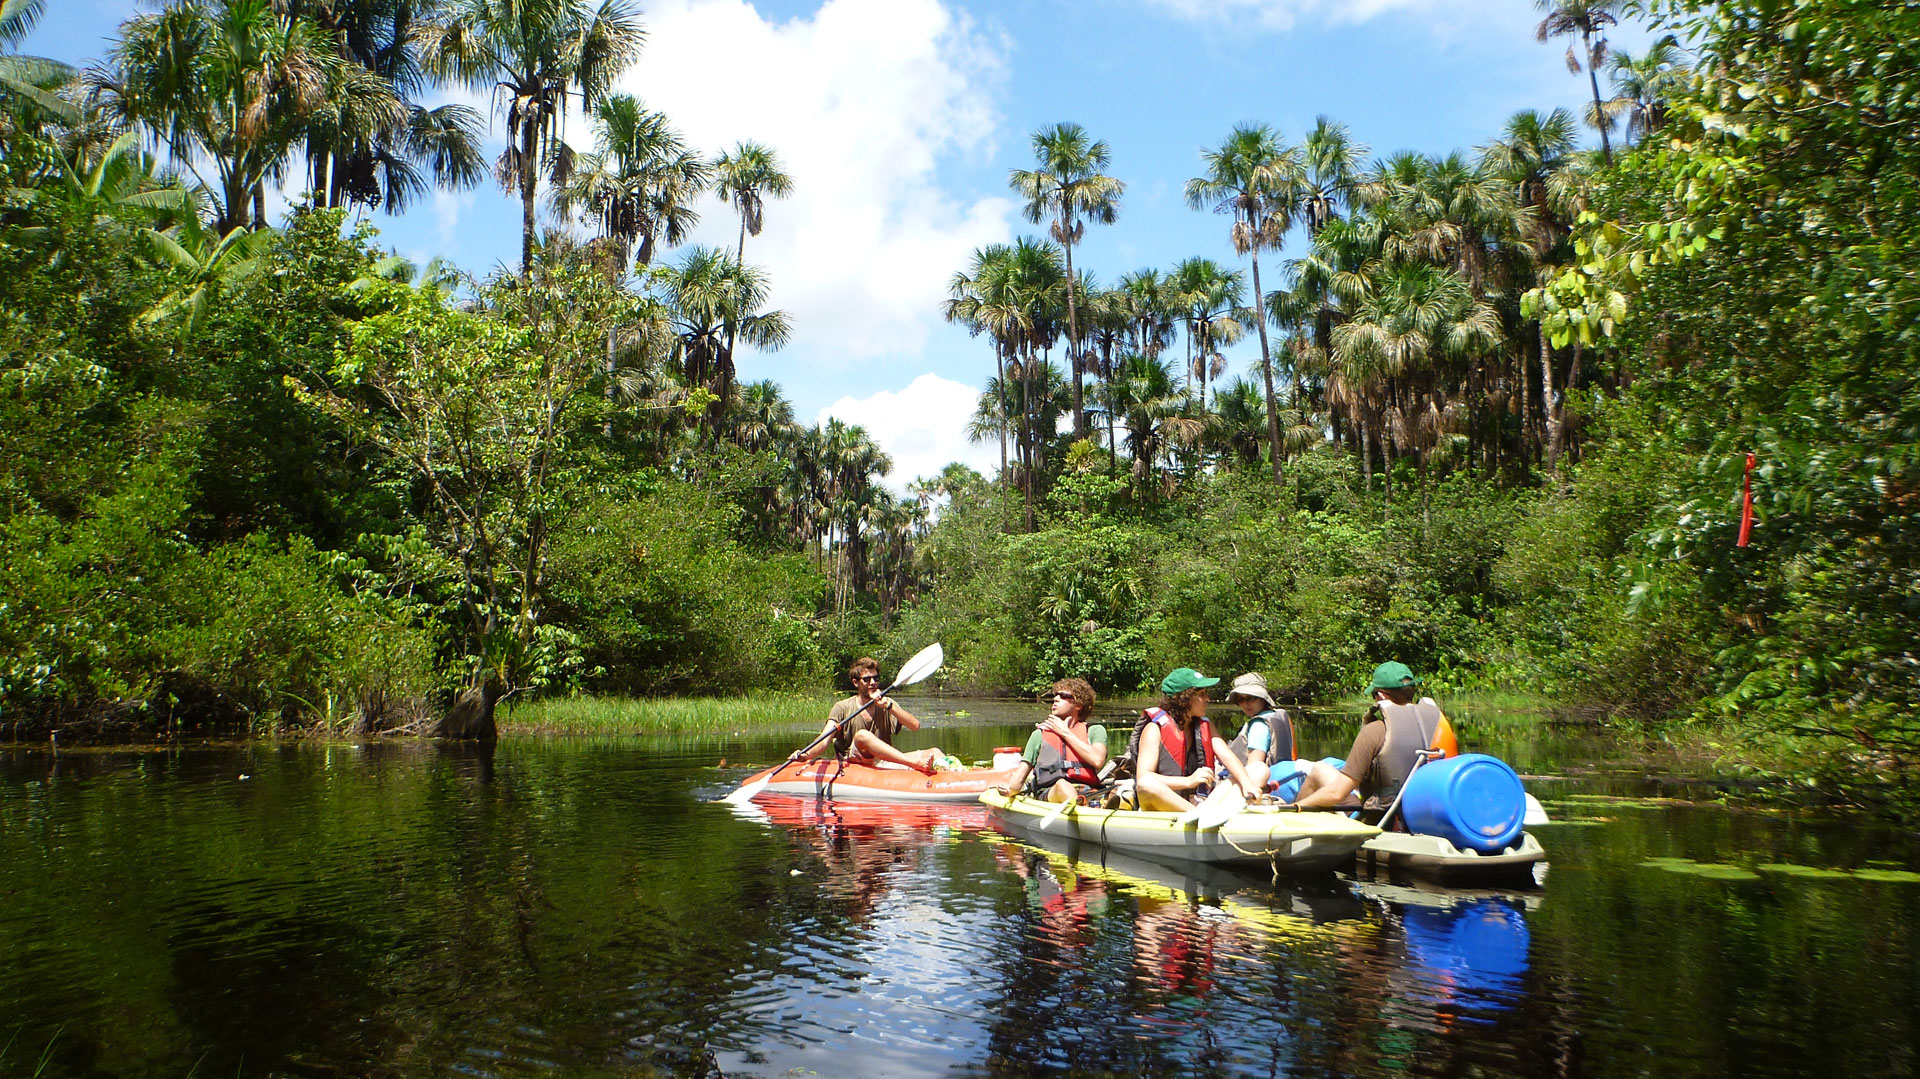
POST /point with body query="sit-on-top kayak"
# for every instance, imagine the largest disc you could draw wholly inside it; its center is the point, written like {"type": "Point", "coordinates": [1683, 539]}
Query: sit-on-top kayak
{"type": "Point", "coordinates": [1432, 858]}
{"type": "Point", "coordinates": [877, 781]}
{"type": "Point", "coordinates": [1284, 839]}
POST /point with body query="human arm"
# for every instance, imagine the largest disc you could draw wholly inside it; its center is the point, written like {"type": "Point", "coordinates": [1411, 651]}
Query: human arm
{"type": "Point", "coordinates": [1018, 781]}
{"type": "Point", "coordinates": [819, 744]}
{"type": "Point", "coordinates": [1335, 787]}
{"type": "Point", "coordinates": [1094, 754]}
{"type": "Point", "coordinates": [1235, 770]}
{"type": "Point", "coordinates": [889, 706]}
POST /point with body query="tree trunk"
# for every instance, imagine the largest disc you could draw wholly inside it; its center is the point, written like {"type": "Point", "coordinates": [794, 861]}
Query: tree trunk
{"type": "Point", "coordinates": [1073, 329]}
{"type": "Point", "coordinates": [1000, 388]}
{"type": "Point", "coordinates": [471, 717]}
{"type": "Point", "coordinates": [1593, 77]}
{"type": "Point", "coordinates": [1266, 372]}
{"type": "Point", "coordinates": [1546, 402]}
{"type": "Point", "coordinates": [529, 181]}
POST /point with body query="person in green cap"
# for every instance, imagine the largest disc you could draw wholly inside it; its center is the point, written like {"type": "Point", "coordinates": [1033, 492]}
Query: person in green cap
{"type": "Point", "coordinates": [1396, 735]}
{"type": "Point", "coordinates": [1179, 752]}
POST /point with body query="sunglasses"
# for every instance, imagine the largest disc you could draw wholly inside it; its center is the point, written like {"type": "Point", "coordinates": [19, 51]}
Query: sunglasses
{"type": "Point", "coordinates": [868, 678]}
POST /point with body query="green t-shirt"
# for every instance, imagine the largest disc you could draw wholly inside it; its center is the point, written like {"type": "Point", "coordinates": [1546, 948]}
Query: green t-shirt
{"type": "Point", "coordinates": [1096, 736]}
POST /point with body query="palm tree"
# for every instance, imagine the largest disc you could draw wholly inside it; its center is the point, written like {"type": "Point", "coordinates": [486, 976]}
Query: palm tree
{"type": "Point", "coordinates": [365, 150]}
{"type": "Point", "coordinates": [531, 54]}
{"type": "Point", "coordinates": [28, 76]}
{"type": "Point", "coordinates": [747, 176]}
{"type": "Point", "coordinates": [1333, 162]}
{"type": "Point", "coordinates": [1257, 179]}
{"type": "Point", "coordinates": [1156, 410]}
{"type": "Point", "coordinates": [1535, 155]}
{"type": "Point", "coordinates": [640, 186]}
{"type": "Point", "coordinates": [1069, 188]}
{"type": "Point", "coordinates": [208, 264]}
{"type": "Point", "coordinates": [1211, 300]}
{"type": "Point", "coordinates": [235, 86]}
{"type": "Point", "coordinates": [1586, 18]}
{"type": "Point", "coordinates": [712, 300]}
{"type": "Point", "coordinates": [982, 299]}
{"type": "Point", "coordinates": [1643, 85]}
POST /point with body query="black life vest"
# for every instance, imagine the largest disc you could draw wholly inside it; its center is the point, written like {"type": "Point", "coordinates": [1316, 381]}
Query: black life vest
{"type": "Point", "coordinates": [1410, 729]}
{"type": "Point", "coordinates": [1057, 761]}
{"type": "Point", "coordinates": [1179, 756]}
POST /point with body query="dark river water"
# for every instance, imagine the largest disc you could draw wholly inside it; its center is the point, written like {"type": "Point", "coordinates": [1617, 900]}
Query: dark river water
{"type": "Point", "coordinates": [581, 907]}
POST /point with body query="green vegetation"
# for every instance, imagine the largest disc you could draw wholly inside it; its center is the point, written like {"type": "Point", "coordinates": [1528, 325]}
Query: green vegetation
{"type": "Point", "coordinates": [1504, 399]}
{"type": "Point", "coordinates": [665, 715]}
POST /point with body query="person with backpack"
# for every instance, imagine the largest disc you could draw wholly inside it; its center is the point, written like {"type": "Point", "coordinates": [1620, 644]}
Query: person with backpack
{"type": "Point", "coordinates": [1064, 753]}
{"type": "Point", "coordinates": [1179, 751]}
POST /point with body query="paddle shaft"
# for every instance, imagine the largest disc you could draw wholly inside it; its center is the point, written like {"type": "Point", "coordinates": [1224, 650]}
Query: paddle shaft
{"type": "Point", "coordinates": [841, 723]}
{"type": "Point", "coordinates": [1421, 758]}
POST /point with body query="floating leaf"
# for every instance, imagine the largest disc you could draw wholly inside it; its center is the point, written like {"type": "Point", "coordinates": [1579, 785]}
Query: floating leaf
{"type": "Point", "coordinates": [1807, 872]}
{"type": "Point", "coordinates": [1889, 876]}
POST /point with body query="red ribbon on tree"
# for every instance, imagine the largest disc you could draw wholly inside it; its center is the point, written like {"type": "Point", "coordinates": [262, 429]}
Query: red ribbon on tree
{"type": "Point", "coordinates": [1746, 507]}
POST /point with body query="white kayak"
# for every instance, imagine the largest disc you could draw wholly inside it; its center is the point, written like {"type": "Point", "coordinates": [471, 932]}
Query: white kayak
{"type": "Point", "coordinates": [1277, 837]}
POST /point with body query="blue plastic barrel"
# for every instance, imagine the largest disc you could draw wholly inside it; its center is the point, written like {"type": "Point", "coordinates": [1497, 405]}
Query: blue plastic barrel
{"type": "Point", "coordinates": [1473, 801]}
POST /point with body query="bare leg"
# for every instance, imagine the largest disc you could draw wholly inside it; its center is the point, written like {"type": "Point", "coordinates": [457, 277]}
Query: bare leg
{"type": "Point", "coordinates": [1319, 776]}
{"type": "Point", "coordinates": [869, 743]}
{"type": "Point", "coordinates": [1153, 793]}
{"type": "Point", "coordinates": [1063, 791]}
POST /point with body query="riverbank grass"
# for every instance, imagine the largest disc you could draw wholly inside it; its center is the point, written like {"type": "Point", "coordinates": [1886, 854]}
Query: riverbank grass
{"type": "Point", "coordinates": [672, 715]}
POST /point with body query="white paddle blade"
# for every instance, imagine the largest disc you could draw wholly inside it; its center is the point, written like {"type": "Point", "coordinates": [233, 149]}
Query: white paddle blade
{"type": "Point", "coordinates": [746, 792]}
{"type": "Point", "coordinates": [1059, 810]}
{"type": "Point", "coordinates": [1536, 813]}
{"type": "Point", "coordinates": [924, 662]}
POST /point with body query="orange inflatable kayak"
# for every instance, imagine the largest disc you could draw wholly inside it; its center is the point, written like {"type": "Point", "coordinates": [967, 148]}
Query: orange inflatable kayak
{"type": "Point", "coordinates": [871, 781]}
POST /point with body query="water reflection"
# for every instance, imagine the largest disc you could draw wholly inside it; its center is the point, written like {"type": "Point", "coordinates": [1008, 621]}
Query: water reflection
{"type": "Point", "coordinates": [580, 909]}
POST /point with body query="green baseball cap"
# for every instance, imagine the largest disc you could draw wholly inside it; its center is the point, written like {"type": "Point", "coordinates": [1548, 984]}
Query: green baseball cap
{"type": "Point", "coordinates": [1182, 679]}
{"type": "Point", "coordinates": [1393, 676]}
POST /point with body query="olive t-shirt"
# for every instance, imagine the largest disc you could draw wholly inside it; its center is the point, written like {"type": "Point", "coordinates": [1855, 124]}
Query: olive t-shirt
{"type": "Point", "coordinates": [883, 725]}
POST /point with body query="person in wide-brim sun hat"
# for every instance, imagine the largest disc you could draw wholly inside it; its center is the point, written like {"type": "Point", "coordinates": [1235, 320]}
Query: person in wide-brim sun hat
{"type": "Point", "coordinates": [1179, 749]}
{"type": "Point", "coordinates": [1267, 739]}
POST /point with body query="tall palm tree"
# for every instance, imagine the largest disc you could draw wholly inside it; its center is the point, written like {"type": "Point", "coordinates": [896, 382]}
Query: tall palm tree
{"type": "Point", "coordinates": [1211, 300]}
{"type": "Point", "coordinates": [639, 187]}
{"type": "Point", "coordinates": [712, 301]}
{"type": "Point", "coordinates": [1535, 155]}
{"type": "Point", "coordinates": [1333, 161]}
{"type": "Point", "coordinates": [531, 54]}
{"type": "Point", "coordinates": [746, 176]}
{"type": "Point", "coordinates": [1257, 179]}
{"type": "Point", "coordinates": [1149, 398]}
{"type": "Point", "coordinates": [31, 76]}
{"type": "Point", "coordinates": [1586, 18]}
{"type": "Point", "coordinates": [373, 154]}
{"type": "Point", "coordinates": [1069, 188]}
{"type": "Point", "coordinates": [1642, 85]}
{"type": "Point", "coordinates": [982, 299]}
{"type": "Point", "coordinates": [232, 86]}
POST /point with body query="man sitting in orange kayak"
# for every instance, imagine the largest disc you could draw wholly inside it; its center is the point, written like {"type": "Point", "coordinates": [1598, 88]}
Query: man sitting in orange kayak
{"type": "Point", "coordinates": [1396, 732]}
{"type": "Point", "coordinates": [1064, 752]}
{"type": "Point", "coordinates": [869, 734]}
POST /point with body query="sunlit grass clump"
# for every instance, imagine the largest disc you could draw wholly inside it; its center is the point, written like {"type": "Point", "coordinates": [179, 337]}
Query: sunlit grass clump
{"type": "Point", "coordinates": [678, 715]}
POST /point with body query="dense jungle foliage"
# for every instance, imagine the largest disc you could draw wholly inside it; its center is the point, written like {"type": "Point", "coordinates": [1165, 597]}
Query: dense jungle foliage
{"type": "Point", "coordinates": [1497, 428]}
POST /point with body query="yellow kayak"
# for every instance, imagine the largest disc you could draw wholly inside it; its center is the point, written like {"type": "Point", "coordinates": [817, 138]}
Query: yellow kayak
{"type": "Point", "coordinates": [1276, 837]}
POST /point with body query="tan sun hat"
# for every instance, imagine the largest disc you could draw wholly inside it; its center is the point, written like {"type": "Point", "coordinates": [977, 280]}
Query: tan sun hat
{"type": "Point", "coordinates": [1251, 684]}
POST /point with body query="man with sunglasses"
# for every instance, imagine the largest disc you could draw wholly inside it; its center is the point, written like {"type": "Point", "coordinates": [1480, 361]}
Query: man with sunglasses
{"type": "Point", "coordinates": [869, 735]}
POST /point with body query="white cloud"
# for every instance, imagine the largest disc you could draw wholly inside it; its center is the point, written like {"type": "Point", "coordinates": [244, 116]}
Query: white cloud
{"type": "Point", "coordinates": [863, 100]}
{"type": "Point", "coordinates": [922, 427]}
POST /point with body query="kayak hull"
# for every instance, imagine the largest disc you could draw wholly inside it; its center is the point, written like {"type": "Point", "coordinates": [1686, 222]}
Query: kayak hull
{"type": "Point", "coordinates": [1262, 837]}
{"type": "Point", "coordinates": [1431, 858]}
{"type": "Point", "coordinates": [852, 781]}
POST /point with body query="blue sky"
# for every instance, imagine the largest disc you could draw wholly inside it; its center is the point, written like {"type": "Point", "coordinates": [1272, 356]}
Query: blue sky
{"type": "Point", "coordinates": [901, 118]}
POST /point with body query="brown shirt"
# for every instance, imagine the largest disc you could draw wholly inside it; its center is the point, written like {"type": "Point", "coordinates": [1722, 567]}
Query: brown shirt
{"type": "Point", "coordinates": [883, 725]}
{"type": "Point", "coordinates": [1366, 748]}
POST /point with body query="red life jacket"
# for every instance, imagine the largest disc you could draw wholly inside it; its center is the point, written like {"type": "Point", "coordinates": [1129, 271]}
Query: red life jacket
{"type": "Point", "coordinates": [1173, 743]}
{"type": "Point", "coordinates": [1057, 760]}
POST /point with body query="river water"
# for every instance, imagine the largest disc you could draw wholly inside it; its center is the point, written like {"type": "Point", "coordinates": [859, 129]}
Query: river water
{"type": "Point", "coordinates": [581, 907]}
